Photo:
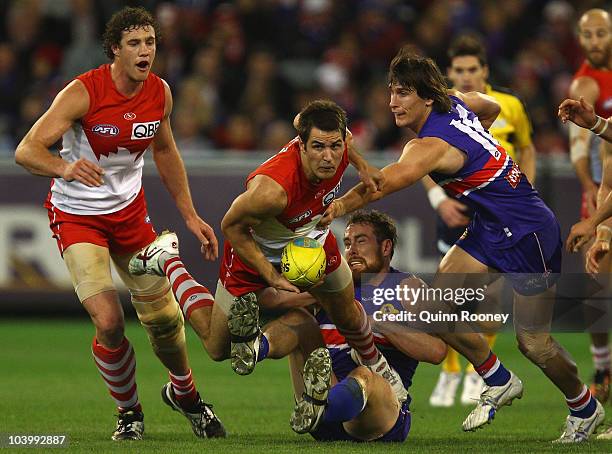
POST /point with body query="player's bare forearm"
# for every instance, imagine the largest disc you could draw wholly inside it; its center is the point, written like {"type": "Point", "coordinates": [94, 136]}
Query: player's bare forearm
{"type": "Point", "coordinates": [38, 160]}
{"type": "Point", "coordinates": [356, 198]}
{"type": "Point", "coordinates": [420, 346]}
{"type": "Point", "coordinates": [527, 162]}
{"type": "Point", "coordinates": [33, 151]}
{"type": "Point", "coordinates": [238, 233]}
{"type": "Point", "coordinates": [368, 174]}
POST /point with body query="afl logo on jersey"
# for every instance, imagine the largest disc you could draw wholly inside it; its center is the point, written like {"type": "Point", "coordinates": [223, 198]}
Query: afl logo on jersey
{"type": "Point", "coordinates": [144, 130]}
{"type": "Point", "coordinates": [300, 217]}
{"type": "Point", "coordinates": [106, 130]}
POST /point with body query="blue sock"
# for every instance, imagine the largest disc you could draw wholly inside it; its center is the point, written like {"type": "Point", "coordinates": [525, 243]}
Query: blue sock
{"type": "Point", "coordinates": [493, 371]}
{"type": "Point", "coordinates": [344, 402]}
{"type": "Point", "coordinates": [587, 411]}
{"type": "Point", "coordinates": [582, 406]}
{"type": "Point", "coordinates": [264, 348]}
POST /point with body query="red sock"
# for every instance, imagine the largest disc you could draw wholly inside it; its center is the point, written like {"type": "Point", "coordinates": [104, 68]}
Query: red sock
{"type": "Point", "coordinates": [184, 390]}
{"type": "Point", "coordinates": [362, 339]}
{"type": "Point", "coordinates": [190, 294]}
{"type": "Point", "coordinates": [118, 369]}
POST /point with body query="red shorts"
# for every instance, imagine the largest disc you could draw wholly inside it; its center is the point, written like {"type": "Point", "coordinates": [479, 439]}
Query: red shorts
{"type": "Point", "coordinates": [123, 232]}
{"type": "Point", "coordinates": [238, 278]}
{"type": "Point", "coordinates": [584, 208]}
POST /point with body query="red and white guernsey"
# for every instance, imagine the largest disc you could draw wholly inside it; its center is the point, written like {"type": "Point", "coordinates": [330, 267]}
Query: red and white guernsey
{"type": "Point", "coordinates": [114, 133]}
{"type": "Point", "coordinates": [306, 201]}
{"type": "Point", "coordinates": [603, 77]}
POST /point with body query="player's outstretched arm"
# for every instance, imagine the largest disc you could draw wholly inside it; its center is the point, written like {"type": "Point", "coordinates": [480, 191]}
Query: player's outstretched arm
{"type": "Point", "coordinates": [484, 106]}
{"type": "Point", "coordinates": [419, 157]}
{"type": "Point", "coordinates": [263, 199]}
{"type": "Point", "coordinates": [582, 114]}
{"type": "Point", "coordinates": [33, 152]}
{"type": "Point", "coordinates": [172, 172]}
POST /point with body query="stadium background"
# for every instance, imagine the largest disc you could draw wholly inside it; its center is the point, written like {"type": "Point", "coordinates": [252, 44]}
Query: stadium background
{"type": "Point", "coordinates": [239, 71]}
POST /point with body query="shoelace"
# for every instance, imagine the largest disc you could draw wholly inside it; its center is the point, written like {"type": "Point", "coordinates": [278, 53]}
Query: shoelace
{"type": "Point", "coordinates": [485, 399]}
{"type": "Point", "coordinates": [574, 427]}
{"type": "Point", "coordinates": [125, 421]}
{"type": "Point", "coordinates": [206, 413]}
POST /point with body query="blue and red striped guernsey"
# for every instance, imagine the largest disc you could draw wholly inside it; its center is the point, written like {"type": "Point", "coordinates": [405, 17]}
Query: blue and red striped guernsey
{"type": "Point", "coordinates": [506, 205]}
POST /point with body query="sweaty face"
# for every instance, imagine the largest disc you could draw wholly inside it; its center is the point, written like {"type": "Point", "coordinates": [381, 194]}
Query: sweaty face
{"type": "Point", "coordinates": [408, 108]}
{"type": "Point", "coordinates": [136, 52]}
{"type": "Point", "coordinates": [362, 250]}
{"type": "Point", "coordinates": [596, 39]}
{"type": "Point", "coordinates": [322, 154]}
{"type": "Point", "coordinates": [467, 74]}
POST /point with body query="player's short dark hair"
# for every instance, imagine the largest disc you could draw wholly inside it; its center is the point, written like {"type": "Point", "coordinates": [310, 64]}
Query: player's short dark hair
{"type": "Point", "coordinates": [127, 19]}
{"type": "Point", "coordinates": [422, 75]}
{"type": "Point", "coordinates": [468, 45]}
{"type": "Point", "coordinates": [322, 114]}
{"type": "Point", "coordinates": [383, 225]}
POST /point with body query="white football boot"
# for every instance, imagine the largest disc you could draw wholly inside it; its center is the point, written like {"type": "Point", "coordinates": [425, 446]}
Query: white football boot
{"type": "Point", "coordinates": [146, 261]}
{"type": "Point", "coordinates": [444, 393]}
{"type": "Point", "coordinates": [308, 411]}
{"type": "Point", "coordinates": [491, 399]}
{"type": "Point", "coordinates": [382, 368]}
{"type": "Point", "coordinates": [245, 333]}
{"type": "Point", "coordinates": [578, 429]}
{"type": "Point", "coordinates": [473, 386]}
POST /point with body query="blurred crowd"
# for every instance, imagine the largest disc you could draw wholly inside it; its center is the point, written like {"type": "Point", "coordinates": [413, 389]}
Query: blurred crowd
{"type": "Point", "coordinates": [240, 70]}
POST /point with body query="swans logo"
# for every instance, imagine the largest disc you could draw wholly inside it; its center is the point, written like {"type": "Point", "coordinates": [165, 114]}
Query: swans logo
{"type": "Point", "coordinates": [105, 130]}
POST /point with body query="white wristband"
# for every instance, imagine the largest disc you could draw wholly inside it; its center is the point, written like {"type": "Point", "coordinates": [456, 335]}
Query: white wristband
{"type": "Point", "coordinates": [597, 123]}
{"type": "Point", "coordinates": [604, 233]}
{"type": "Point", "coordinates": [606, 123]}
{"type": "Point", "coordinates": [436, 196]}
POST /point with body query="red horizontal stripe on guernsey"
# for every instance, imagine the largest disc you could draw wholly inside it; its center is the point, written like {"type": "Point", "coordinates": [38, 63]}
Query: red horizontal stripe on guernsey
{"type": "Point", "coordinates": [480, 176]}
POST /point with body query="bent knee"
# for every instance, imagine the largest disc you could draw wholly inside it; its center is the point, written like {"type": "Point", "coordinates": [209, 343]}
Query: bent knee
{"type": "Point", "coordinates": [537, 347]}
{"type": "Point", "coordinates": [439, 352]}
{"type": "Point", "coordinates": [217, 354]}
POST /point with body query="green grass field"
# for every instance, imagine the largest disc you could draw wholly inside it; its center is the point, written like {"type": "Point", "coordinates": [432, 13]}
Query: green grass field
{"type": "Point", "coordinates": [49, 385]}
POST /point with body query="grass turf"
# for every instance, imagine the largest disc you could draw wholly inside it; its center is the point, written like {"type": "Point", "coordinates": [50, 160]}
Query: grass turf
{"type": "Point", "coordinates": [49, 385]}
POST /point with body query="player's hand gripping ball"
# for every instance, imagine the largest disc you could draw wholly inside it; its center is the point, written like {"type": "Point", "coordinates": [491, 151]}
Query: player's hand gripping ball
{"type": "Point", "coordinates": [303, 262]}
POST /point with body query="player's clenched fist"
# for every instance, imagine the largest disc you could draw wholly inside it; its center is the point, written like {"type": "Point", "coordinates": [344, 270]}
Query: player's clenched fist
{"type": "Point", "coordinates": [85, 172]}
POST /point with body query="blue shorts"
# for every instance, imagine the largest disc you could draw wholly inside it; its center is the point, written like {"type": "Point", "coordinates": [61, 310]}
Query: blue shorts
{"type": "Point", "coordinates": [532, 265]}
{"type": "Point", "coordinates": [334, 431]}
